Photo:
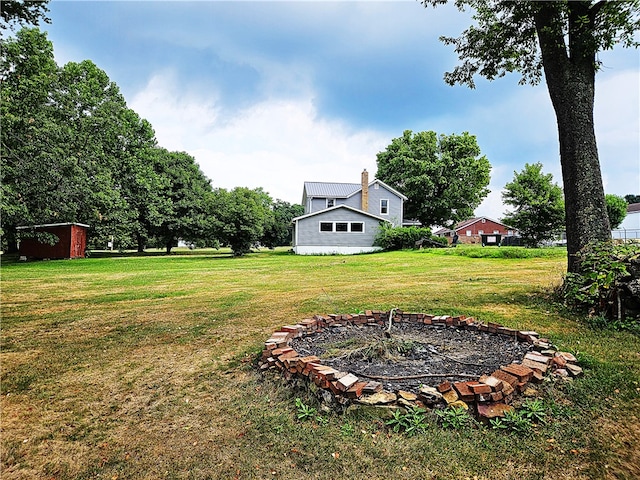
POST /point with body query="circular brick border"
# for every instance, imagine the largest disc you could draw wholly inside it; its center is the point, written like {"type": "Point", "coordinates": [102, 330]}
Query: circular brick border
{"type": "Point", "coordinates": [489, 396]}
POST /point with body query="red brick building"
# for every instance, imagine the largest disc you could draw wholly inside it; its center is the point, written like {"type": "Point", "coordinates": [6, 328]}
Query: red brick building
{"type": "Point", "coordinates": [475, 230]}
{"type": "Point", "coordinates": [72, 241]}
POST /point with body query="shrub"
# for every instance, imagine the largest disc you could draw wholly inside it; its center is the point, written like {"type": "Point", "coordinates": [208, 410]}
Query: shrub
{"type": "Point", "coordinates": [603, 286]}
{"type": "Point", "coordinates": [399, 238]}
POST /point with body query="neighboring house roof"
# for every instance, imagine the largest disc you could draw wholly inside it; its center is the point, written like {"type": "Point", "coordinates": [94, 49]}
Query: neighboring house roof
{"type": "Point", "coordinates": [633, 208]}
{"type": "Point", "coordinates": [340, 190]}
{"type": "Point", "coordinates": [24, 227]}
{"type": "Point", "coordinates": [467, 223]}
{"type": "Point", "coordinates": [321, 212]}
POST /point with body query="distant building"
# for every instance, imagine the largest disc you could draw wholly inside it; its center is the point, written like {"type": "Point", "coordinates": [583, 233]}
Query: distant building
{"type": "Point", "coordinates": [473, 230]}
{"type": "Point", "coordinates": [72, 241]}
{"type": "Point", "coordinates": [630, 226]}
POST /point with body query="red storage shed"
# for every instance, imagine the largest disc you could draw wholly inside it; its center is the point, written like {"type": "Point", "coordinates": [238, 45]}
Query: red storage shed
{"type": "Point", "coordinates": [72, 241]}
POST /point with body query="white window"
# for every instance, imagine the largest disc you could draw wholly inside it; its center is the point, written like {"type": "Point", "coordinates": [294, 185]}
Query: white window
{"type": "Point", "coordinates": [510, 233]}
{"type": "Point", "coordinates": [468, 233]}
{"type": "Point", "coordinates": [345, 227]}
{"type": "Point", "coordinates": [384, 206]}
{"type": "Point", "coordinates": [484, 220]}
{"type": "Point", "coordinates": [376, 186]}
{"type": "Point", "coordinates": [480, 232]}
{"type": "Point", "coordinates": [331, 202]}
{"type": "Point", "coordinates": [496, 232]}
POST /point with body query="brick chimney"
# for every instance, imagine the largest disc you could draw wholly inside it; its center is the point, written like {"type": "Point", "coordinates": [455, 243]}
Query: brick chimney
{"type": "Point", "coordinates": [365, 190]}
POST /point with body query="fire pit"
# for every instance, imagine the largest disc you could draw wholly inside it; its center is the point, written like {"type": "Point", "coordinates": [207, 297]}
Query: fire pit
{"type": "Point", "coordinates": [404, 359]}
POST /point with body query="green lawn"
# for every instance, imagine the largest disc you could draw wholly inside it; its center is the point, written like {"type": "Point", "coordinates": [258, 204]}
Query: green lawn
{"type": "Point", "coordinates": [142, 367]}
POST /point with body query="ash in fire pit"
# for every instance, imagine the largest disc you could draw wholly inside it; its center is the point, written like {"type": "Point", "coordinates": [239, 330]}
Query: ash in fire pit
{"type": "Point", "coordinates": [414, 354]}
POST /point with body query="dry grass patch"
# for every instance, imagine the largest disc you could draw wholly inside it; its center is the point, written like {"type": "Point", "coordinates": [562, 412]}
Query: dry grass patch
{"type": "Point", "coordinates": [140, 367]}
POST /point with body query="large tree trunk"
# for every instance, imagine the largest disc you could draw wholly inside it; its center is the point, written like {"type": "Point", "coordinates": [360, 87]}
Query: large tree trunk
{"type": "Point", "coordinates": [570, 78]}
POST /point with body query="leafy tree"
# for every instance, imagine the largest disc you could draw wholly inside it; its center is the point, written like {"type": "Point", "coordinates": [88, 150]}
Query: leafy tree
{"type": "Point", "coordinates": [28, 76]}
{"type": "Point", "coordinates": [632, 198]}
{"type": "Point", "coordinates": [241, 215]}
{"type": "Point", "coordinates": [559, 39]}
{"type": "Point", "coordinates": [539, 209]}
{"type": "Point", "coordinates": [23, 12]}
{"type": "Point", "coordinates": [189, 213]}
{"type": "Point", "coordinates": [444, 178]}
{"type": "Point", "coordinates": [278, 231]}
{"type": "Point", "coordinates": [616, 209]}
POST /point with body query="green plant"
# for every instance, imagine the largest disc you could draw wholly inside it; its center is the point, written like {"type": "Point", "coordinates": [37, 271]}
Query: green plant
{"type": "Point", "coordinates": [411, 422]}
{"type": "Point", "coordinates": [534, 410]}
{"type": "Point", "coordinates": [304, 411]}
{"type": "Point", "coordinates": [454, 417]}
{"type": "Point", "coordinates": [399, 238]}
{"type": "Point", "coordinates": [347, 430]}
{"type": "Point", "coordinates": [597, 287]}
{"type": "Point", "coordinates": [517, 422]}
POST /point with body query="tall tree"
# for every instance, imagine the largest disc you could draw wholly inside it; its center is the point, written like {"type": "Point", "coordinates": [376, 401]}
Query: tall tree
{"type": "Point", "coordinates": [616, 209]}
{"type": "Point", "coordinates": [444, 178]}
{"type": "Point", "coordinates": [559, 39]}
{"type": "Point", "coordinates": [278, 230]}
{"type": "Point", "coordinates": [241, 215]}
{"type": "Point", "coordinates": [538, 207]}
{"type": "Point", "coordinates": [23, 12]}
{"type": "Point", "coordinates": [630, 198]}
{"type": "Point", "coordinates": [28, 76]}
{"type": "Point", "coordinates": [189, 215]}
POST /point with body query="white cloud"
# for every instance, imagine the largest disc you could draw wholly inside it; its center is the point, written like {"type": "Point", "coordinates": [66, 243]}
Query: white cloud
{"type": "Point", "coordinates": [276, 144]}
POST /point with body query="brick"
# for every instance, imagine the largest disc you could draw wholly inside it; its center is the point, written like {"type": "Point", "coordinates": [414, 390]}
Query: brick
{"type": "Point", "coordinates": [372, 387]}
{"type": "Point", "coordinates": [411, 397]}
{"type": "Point", "coordinates": [480, 388]}
{"type": "Point", "coordinates": [521, 372]}
{"type": "Point", "coordinates": [495, 383]}
{"type": "Point", "coordinates": [346, 382]}
{"type": "Point", "coordinates": [568, 357]}
{"type": "Point", "coordinates": [493, 410]}
{"type": "Point", "coordinates": [464, 391]}
{"type": "Point", "coordinates": [537, 357]}
{"type": "Point", "coordinates": [535, 366]}
{"type": "Point", "coordinates": [574, 370]}
{"type": "Point", "coordinates": [356, 390]}
{"type": "Point", "coordinates": [505, 377]}
{"type": "Point", "coordinates": [444, 387]}
{"type": "Point", "coordinates": [496, 396]}
{"type": "Point", "coordinates": [279, 351]}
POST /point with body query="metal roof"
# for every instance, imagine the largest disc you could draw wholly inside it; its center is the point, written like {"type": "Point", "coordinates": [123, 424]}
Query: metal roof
{"type": "Point", "coordinates": [25, 227]}
{"type": "Point", "coordinates": [330, 189]}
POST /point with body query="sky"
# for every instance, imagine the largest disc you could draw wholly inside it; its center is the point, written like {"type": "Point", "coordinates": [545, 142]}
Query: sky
{"type": "Point", "coordinates": [272, 94]}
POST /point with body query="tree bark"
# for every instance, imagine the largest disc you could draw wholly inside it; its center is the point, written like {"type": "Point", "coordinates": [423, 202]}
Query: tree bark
{"type": "Point", "coordinates": [570, 77]}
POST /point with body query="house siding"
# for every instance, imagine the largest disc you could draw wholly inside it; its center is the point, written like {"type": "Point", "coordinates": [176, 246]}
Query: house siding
{"type": "Point", "coordinates": [395, 204]}
{"type": "Point", "coordinates": [308, 230]}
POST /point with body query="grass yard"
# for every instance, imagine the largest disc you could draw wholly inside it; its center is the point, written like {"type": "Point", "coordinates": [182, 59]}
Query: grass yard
{"type": "Point", "coordinates": [140, 367]}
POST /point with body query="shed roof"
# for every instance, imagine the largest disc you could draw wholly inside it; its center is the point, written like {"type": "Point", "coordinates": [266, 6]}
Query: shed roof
{"type": "Point", "coordinates": [24, 227]}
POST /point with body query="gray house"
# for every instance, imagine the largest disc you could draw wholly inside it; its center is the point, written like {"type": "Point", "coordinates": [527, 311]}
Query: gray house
{"type": "Point", "coordinates": [343, 218]}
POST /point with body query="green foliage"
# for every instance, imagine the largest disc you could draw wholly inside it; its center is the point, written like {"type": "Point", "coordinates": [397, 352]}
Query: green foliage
{"type": "Point", "coordinates": [399, 238]}
{"type": "Point", "coordinates": [444, 178]}
{"type": "Point", "coordinates": [278, 227]}
{"type": "Point", "coordinates": [454, 417]}
{"type": "Point", "coordinates": [616, 209]}
{"type": "Point", "coordinates": [475, 251]}
{"type": "Point", "coordinates": [410, 422]}
{"type": "Point", "coordinates": [515, 421]}
{"type": "Point", "coordinates": [304, 411]}
{"type": "Point", "coordinates": [538, 205]}
{"type": "Point", "coordinates": [23, 12]}
{"type": "Point", "coordinates": [240, 217]}
{"type": "Point", "coordinates": [632, 198]}
{"type": "Point", "coordinates": [597, 288]}
{"type": "Point", "coordinates": [534, 410]}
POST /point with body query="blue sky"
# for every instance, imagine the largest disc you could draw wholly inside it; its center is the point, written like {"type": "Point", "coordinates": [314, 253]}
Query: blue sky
{"type": "Point", "coordinates": [271, 94]}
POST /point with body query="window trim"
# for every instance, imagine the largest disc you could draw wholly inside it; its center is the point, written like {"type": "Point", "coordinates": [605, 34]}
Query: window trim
{"type": "Point", "coordinates": [333, 202]}
{"type": "Point", "coordinates": [384, 200]}
{"type": "Point", "coordinates": [335, 230]}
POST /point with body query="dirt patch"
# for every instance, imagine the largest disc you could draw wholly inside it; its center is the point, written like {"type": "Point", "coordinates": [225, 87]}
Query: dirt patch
{"type": "Point", "coordinates": [400, 356]}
